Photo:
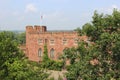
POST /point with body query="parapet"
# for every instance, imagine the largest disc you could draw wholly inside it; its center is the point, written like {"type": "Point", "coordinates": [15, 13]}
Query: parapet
{"type": "Point", "coordinates": [44, 28]}
{"type": "Point", "coordinates": [36, 28]}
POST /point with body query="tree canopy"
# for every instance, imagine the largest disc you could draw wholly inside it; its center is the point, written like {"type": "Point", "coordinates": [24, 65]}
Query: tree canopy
{"type": "Point", "coordinates": [13, 63]}
{"type": "Point", "coordinates": [99, 60]}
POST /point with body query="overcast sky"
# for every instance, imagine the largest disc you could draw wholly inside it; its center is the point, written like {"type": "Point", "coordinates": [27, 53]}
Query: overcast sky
{"type": "Point", "coordinates": [57, 14]}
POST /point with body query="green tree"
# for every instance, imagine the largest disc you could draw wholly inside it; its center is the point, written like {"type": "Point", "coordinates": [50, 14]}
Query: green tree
{"type": "Point", "coordinates": [21, 38]}
{"type": "Point", "coordinates": [14, 65]}
{"type": "Point", "coordinates": [87, 29]}
{"type": "Point", "coordinates": [99, 61]}
{"type": "Point", "coordinates": [70, 54]}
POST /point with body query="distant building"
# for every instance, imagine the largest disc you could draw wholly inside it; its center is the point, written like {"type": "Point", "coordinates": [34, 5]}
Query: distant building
{"type": "Point", "coordinates": [56, 41]}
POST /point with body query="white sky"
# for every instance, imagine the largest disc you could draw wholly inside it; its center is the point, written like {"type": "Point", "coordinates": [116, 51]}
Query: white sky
{"type": "Point", "coordinates": [57, 14]}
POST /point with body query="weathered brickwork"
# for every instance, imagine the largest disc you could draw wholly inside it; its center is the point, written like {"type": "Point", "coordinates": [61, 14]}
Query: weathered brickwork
{"type": "Point", "coordinates": [56, 41]}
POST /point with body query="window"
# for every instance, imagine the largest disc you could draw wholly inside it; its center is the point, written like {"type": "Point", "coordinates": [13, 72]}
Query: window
{"type": "Point", "coordinates": [52, 53]}
{"type": "Point", "coordinates": [52, 42]}
{"type": "Point", "coordinates": [40, 41]}
{"type": "Point", "coordinates": [40, 52]}
{"type": "Point", "coordinates": [46, 41]}
{"type": "Point", "coordinates": [64, 41]}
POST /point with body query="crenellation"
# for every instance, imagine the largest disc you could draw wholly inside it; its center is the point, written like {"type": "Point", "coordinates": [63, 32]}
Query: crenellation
{"type": "Point", "coordinates": [37, 28]}
{"type": "Point", "coordinates": [29, 28]}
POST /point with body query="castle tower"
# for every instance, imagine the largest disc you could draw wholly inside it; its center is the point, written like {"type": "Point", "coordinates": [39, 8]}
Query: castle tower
{"type": "Point", "coordinates": [30, 31]}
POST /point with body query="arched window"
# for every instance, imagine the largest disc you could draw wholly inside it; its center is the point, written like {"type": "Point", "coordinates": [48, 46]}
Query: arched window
{"type": "Point", "coordinates": [52, 51]}
{"type": "Point", "coordinates": [40, 52]}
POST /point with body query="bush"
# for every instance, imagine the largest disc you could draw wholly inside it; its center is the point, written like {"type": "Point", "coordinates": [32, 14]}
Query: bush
{"type": "Point", "coordinates": [52, 65]}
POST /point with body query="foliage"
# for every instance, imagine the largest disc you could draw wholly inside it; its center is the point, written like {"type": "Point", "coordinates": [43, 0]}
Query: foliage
{"type": "Point", "coordinates": [99, 61]}
{"type": "Point", "coordinates": [52, 78]}
{"type": "Point", "coordinates": [50, 64]}
{"type": "Point", "coordinates": [78, 30]}
{"type": "Point", "coordinates": [21, 38]}
{"type": "Point", "coordinates": [14, 65]}
{"type": "Point", "coordinates": [60, 78]}
{"type": "Point", "coordinates": [70, 54]}
{"type": "Point", "coordinates": [45, 56]}
{"type": "Point", "coordinates": [87, 29]}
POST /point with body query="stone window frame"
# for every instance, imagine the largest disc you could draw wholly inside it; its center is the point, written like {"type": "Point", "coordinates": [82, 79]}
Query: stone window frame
{"type": "Point", "coordinates": [52, 41]}
{"type": "Point", "coordinates": [40, 41]}
{"type": "Point", "coordinates": [40, 52]}
{"type": "Point", "coordinates": [64, 41]}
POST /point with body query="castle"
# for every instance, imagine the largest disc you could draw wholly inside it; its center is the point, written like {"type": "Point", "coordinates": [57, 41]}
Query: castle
{"type": "Point", "coordinates": [56, 41]}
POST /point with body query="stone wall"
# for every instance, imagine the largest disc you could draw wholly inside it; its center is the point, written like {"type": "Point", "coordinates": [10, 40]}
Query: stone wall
{"type": "Point", "coordinates": [56, 41]}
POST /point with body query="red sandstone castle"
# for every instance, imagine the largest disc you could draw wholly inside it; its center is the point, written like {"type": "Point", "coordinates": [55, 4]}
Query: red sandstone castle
{"type": "Point", "coordinates": [56, 41]}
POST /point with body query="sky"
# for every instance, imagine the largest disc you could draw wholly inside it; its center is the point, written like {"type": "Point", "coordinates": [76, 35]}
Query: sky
{"type": "Point", "coordinates": [56, 14]}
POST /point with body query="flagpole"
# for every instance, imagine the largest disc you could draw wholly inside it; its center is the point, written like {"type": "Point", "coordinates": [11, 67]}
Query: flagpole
{"type": "Point", "coordinates": [41, 19]}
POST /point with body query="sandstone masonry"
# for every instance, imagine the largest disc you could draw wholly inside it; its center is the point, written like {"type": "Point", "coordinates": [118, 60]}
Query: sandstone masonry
{"type": "Point", "coordinates": [56, 41]}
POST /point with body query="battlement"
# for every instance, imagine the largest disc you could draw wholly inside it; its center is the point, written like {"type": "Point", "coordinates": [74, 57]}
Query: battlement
{"type": "Point", "coordinates": [36, 28]}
